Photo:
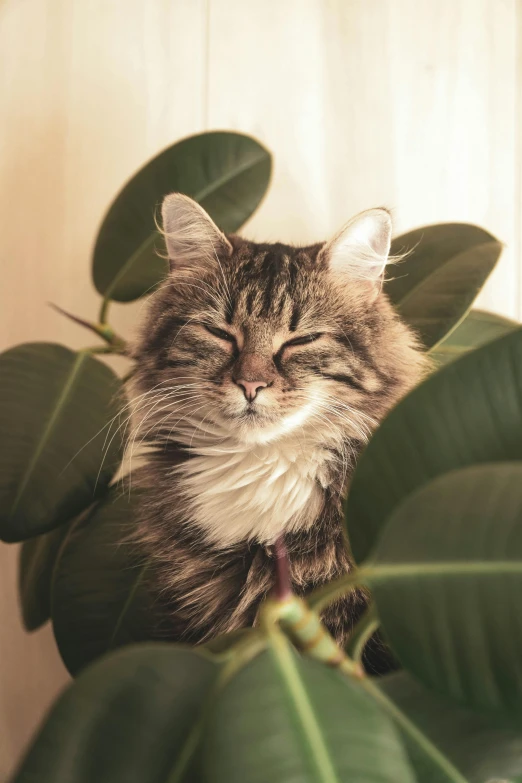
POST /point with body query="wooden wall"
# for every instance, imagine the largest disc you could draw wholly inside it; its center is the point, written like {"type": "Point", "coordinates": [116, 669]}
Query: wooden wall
{"type": "Point", "coordinates": [409, 103]}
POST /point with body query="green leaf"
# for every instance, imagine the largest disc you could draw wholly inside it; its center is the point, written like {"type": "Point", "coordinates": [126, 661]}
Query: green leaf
{"type": "Point", "coordinates": [55, 457]}
{"type": "Point", "coordinates": [437, 305]}
{"type": "Point", "coordinates": [478, 328]}
{"type": "Point", "coordinates": [469, 412]}
{"type": "Point", "coordinates": [99, 598]}
{"type": "Point", "coordinates": [37, 559]}
{"type": "Point", "coordinates": [446, 576]}
{"type": "Point", "coordinates": [125, 720]}
{"type": "Point", "coordinates": [427, 249]}
{"type": "Point", "coordinates": [286, 718]}
{"type": "Point", "coordinates": [361, 634]}
{"type": "Point", "coordinates": [480, 748]}
{"type": "Point", "coordinates": [435, 285]}
{"type": "Point", "coordinates": [227, 173]}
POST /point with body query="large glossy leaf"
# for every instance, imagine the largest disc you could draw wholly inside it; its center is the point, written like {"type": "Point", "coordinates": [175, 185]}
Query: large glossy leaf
{"type": "Point", "coordinates": [437, 304]}
{"type": "Point", "coordinates": [55, 457]}
{"type": "Point", "coordinates": [284, 718]}
{"type": "Point", "coordinates": [477, 328]}
{"type": "Point", "coordinates": [99, 598]}
{"type": "Point", "coordinates": [445, 267]}
{"type": "Point", "coordinates": [468, 412]}
{"type": "Point", "coordinates": [427, 249]}
{"type": "Point", "coordinates": [480, 748]}
{"type": "Point", "coordinates": [125, 720]}
{"type": "Point", "coordinates": [227, 173]}
{"type": "Point", "coordinates": [446, 576]}
{"type": "Point", "coordinates": [37, 559]}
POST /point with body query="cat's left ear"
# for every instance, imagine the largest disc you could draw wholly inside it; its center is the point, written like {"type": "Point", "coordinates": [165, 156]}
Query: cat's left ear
{"type": "Point", "coordinates": [191, 236]}
{"type": "Point", "coordinates": [362, 246]}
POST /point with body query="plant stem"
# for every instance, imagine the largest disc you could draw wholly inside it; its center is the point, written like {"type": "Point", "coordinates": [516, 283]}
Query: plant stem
{"type": "Point", "coordinates": [283, 586]}
{"type": "Point", "coordinates": [305, 629]}
{"type": "Point", "coordinates": [108, 334]}
{"type": "Point", "coordinates": [102, 318]}
{"type": "Point", "coordinates": [301, 624]}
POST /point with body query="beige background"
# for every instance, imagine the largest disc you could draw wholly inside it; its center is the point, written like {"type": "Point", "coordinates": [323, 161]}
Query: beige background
{"type": "Point", "coordinates": [414, 104]}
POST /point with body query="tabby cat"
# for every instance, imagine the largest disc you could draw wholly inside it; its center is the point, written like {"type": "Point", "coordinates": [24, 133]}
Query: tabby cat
{"type": "Point", "coordinates": [262, 369]}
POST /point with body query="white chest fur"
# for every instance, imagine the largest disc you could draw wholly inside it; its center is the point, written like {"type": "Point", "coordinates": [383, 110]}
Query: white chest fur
{"type": "Point", "coordinates": [239, 492]}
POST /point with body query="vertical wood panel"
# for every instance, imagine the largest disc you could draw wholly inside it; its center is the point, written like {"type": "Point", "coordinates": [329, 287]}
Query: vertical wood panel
{"type": "Point", "coordinates": [408, 104]}
{"type": "Point", "coordinates": [454, 85]}
{"type": "Point", "coordinates": [298, 77]}
{"type": "Point", "coordinates": [88, 91]}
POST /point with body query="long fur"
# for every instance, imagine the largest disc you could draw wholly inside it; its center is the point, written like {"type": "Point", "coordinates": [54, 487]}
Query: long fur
{"type": "Point", "coordinates": [223, 478]}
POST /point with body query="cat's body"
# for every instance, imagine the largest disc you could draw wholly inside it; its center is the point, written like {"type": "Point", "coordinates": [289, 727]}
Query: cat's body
{"type": "Point", "coordinates": [261, 371]}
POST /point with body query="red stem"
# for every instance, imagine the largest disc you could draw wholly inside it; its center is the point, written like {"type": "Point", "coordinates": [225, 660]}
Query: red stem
{"type": "Point", "coordinates": [104, 331]}
{"type": "Point", "coordinates": [74, 318]}
{"type": "Point", "coordinates": [283, 585]}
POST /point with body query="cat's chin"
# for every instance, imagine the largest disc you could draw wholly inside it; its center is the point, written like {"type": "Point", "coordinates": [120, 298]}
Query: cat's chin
{"type": "Point", "coordinates": [257, 426]}
{"type": "Point", "coordinates": [252, 425]}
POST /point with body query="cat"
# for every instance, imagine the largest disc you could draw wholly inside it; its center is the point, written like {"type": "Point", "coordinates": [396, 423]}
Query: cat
{"type": "Point", "coordinates": [261, 371]}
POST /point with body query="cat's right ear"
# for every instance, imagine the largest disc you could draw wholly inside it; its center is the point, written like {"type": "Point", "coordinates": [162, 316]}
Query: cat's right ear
{"type": "Point", "coordinates": [361, 249]}
{"type": "Point", "coordinates": [191, 236]}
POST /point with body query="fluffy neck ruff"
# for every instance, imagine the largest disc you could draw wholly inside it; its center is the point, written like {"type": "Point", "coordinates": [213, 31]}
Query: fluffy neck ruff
{"type": "Point", "coordinates": [253, 491]}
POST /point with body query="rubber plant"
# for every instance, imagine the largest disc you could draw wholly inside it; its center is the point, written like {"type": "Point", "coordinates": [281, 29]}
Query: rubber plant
{"type": "Point", "coordinates": [434, 519]}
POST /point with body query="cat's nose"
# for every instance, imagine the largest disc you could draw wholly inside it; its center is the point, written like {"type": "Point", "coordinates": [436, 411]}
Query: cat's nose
{"type": "Point", "coordinates": [251, 388]}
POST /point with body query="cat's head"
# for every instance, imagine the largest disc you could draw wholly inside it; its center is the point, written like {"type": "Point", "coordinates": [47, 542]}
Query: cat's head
{"type": "Point", "coordinates": [262, 339]}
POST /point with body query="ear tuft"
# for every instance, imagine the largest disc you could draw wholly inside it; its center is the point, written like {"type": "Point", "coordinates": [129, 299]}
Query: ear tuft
{"type": "Point", "coordinates": [191, 235]}
{"type": "Point", "coordinates": [362, 246]}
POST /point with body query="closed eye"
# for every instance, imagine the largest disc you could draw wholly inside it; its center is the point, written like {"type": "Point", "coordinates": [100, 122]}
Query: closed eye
{"type": "Point", "coordinates": [220, 333]}
{"type": "Point", "coordinates": [307, 338]}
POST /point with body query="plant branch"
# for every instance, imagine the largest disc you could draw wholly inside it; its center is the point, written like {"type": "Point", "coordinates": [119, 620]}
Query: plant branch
{"type": "Point", "coordinates": [117, 344]}
{"type": "Point", "coordinates": [305, 629]}
{"type": "Point", "coordinates": [72, 317]}
{"type": "Point", "coordinates": [299, 622]}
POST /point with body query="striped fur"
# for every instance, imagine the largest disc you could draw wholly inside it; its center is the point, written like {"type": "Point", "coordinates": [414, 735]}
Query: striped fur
{"type": "Point", "coordinates": [223, 477]}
